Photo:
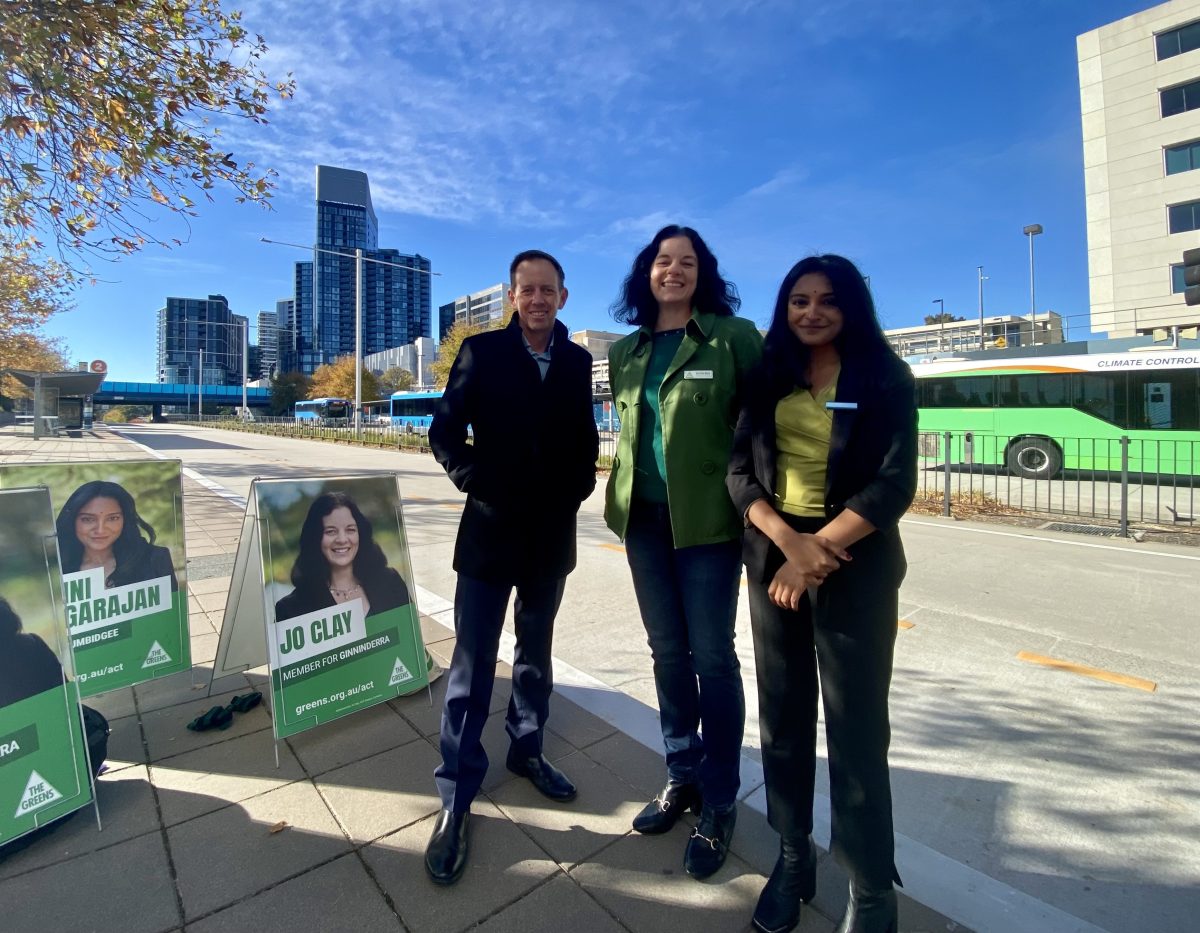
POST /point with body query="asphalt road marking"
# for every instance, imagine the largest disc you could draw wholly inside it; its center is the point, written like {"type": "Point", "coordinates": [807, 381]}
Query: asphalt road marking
{"type": "Point", "coordinates": [1014, 534]}
{"type": "Point", "coordinates": [1098, 673]}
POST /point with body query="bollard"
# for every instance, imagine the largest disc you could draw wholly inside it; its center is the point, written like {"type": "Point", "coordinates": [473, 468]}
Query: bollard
{"type": "Point", "coordinates": [1124, 487]}
{"type": "Point", "coordinates": [946, 467]}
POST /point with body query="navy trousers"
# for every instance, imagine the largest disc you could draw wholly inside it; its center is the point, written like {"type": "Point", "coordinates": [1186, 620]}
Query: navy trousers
{"type": "Point", "coordinates": [478, 621]}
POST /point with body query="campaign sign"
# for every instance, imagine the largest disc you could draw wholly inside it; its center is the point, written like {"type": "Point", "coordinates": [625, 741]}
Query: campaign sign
{"type": "Point", "coordinates": [44, 770]}
{"type": "Point", "coordinates": [343, 631]}
{"type": "Point", "coordinates": [120, 538]}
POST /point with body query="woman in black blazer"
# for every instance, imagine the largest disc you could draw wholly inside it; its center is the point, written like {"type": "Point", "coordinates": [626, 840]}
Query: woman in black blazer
{"type": "Point", "coordinates": [824, 466]}
{"type": "Point", "coordinates": [27, 665]}
{"type": "Point", "coordinates": [99, 527]}
{"type": "Point", "coordinates": [340, 561]}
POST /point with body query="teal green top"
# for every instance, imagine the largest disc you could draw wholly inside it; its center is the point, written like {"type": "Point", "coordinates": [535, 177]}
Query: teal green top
{"type": "Point", "coordinates": [650, 472]}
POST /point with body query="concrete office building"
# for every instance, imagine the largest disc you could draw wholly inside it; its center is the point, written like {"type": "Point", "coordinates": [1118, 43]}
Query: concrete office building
{"type": "Point", "coordinates": [999, 331]}
{"type": "Point", "coordinates": [417, 357]}
{"type": "Point", "coordinates": [267, 339]}
{"type": "Point", "coordinates": [194, 329]}
{"type": "Point", "coordinates": [396, 297]}
{"type": "Point", "coordinates": [1139, 88]}
{"type": "Point", "coordinates": [478, 308]}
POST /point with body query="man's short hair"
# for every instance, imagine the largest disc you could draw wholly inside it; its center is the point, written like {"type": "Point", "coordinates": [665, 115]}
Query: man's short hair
{"type": "Point", "coordinates": [526, 255]}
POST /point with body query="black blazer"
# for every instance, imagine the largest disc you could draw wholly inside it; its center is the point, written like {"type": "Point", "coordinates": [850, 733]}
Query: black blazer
{"type": "Point", "coordinates": [149, 563]}
{"type": "Point", "coordinates": [872, 466]}
{"type": "Point", "coordinates": [386, 592]}
{"type": "Point", "coordinates": [533, 456]}
{"type": "Point", "coordinates": [27, 668]}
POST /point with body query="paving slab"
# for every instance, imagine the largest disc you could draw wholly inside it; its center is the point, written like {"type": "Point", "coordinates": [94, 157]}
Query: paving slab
{"type": "Point", "coordinates": [641, 880]}
{"type": "Point", "coordinates": [574, 724]}
{"type": "Point", "coordinates": [114, 704]}
{"type": "Point", "coordinates": [127, 810]}
{"type": "Point", "coordinates": [125, 747]}
{"type": "Point", "coordinates": [210, 778]}
{"type": "Point", "coordinates": [225, 856]}
{"type": "Point", "coordinates": [384, 793]}
{"type": "Point", "coordinates": [504, 864]}
{"type": "Point", "coordinates": [351, 738]}
{"type": "Point", "coordinates": [337, 896]}
{"type": "Point", "coordinates": [185, 687]}
{"type": "Point", "coordinates": [71, 895]}
{"type": "Point", "coordinates": [167, 733]}
{"type": "Point", "coordinates": [559, 904]}
{"type": "Point", "coordinates": [574, 831]}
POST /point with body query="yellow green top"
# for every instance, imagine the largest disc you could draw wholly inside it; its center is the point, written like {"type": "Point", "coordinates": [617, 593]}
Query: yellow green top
{"type": "Point", "coordinates": [802, 429]}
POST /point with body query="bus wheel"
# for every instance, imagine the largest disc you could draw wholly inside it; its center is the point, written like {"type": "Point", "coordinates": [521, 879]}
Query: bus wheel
{"type": "Point", "coordinates": [1033, 458]}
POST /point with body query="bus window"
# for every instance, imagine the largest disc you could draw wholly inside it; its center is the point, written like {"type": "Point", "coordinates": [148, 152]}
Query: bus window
{"type": "Point", "coordinates": [956, 392]}
{"type": "Point", "coordinates": [1102, 395]}
{"type": "Point", "coordinates": [1164, 400]}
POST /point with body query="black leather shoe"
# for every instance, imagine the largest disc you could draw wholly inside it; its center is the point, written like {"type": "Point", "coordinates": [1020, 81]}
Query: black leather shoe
{"type": "Point", "coordinates": [870, 911]}
{"type": "Point", "coordinates": [446, 854]}
{"type": "Point", "coordinates": [660, 814]}
{"type": "Point", "coordinates": [543, 775]}
{"type": "Point", "coordinates": [792, 881]}
{"type": "Point", "coordinates": [709, 845]}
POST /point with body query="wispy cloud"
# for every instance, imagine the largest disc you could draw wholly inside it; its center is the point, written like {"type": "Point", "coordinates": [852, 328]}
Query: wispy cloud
{"type": "Point", "coordinates": [524, 111]}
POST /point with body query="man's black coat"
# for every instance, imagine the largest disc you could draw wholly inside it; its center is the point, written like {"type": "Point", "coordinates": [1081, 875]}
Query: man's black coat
{"type": "Point", "coordinates": [533, 456]}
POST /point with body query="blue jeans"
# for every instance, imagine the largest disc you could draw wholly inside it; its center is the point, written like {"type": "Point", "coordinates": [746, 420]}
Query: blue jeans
{"type": "Point", "coordinates": [688, 601]}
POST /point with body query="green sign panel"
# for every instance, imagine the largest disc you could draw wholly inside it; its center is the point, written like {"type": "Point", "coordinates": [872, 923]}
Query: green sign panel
{"type": "Point", "coordinates": [120, 537]}
{"type": "Point", "coordinates": [44, 770]}
{"type": "Point", "coordinates": [342, 627]}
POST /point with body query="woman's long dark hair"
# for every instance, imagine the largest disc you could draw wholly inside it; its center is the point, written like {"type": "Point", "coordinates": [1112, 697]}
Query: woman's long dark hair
{"type": "Point", "coordinates": [785, 358]}
{"type": "Point", "coordinates": [10, 622]}
{"type": "Point", "coordinates": [636, 304]}
{"type": "Point", "coordinates": [129, 546]}
{"type": "Point", "coordinates": [311, 569]}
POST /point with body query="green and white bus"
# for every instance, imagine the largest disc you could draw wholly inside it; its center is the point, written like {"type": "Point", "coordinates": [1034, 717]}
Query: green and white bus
{"type": "Point", "coordinates": [1040, 415]}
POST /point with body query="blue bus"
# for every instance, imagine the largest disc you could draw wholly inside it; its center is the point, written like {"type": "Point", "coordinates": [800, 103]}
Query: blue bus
{"type": "Point", "coordinates": [413, 411]}
{"type": "Point", "coordinates": [324, 411]}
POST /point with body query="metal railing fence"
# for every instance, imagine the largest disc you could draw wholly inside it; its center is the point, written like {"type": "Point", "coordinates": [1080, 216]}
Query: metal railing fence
{"type": "Point", "coordinates": [1121, 480]}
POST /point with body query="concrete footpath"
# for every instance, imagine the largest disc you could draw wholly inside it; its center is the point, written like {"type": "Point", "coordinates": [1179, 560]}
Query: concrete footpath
{"type": "Point", "coordinates": [203, 833]}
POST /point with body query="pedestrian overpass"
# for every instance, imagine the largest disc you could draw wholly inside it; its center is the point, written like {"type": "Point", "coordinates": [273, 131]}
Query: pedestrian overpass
{"type": "Point", "coordinates": [185, 395]}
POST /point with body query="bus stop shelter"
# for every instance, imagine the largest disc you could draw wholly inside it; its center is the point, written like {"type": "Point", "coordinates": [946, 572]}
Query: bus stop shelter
{"type": "Point", "coordinates": [58, 398]}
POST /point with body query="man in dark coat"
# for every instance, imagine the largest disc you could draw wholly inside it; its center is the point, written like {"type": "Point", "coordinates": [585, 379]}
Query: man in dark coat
{"type": "Point", "coordinates": [526, 392]}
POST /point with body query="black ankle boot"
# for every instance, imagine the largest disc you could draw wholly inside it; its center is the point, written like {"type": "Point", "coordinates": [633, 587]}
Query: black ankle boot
{"type": "Point", "coordinates": [709, 844]}
{"type": "Point", "coordinates": [871, 910]}
{"type": "Point", "coordinates": [660, 814]}
{"type": "Point", "coordinates": [792, 881]}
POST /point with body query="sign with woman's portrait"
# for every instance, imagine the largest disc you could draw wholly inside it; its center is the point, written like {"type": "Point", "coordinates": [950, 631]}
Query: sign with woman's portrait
{"type": "Point", "coordinates": [343, 631]}
{"type": "Point", "coordinates": [43, 758]}
{"type": "Point", "coordinates": [120, 536]}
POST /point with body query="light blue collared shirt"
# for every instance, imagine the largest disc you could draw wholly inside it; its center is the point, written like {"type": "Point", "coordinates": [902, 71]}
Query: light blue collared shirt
{"type": "Point", "coordinates": [543, 358]}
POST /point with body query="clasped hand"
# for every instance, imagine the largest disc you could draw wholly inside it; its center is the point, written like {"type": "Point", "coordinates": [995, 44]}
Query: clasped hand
{"type": "Point", "coordinates": [810, 559]}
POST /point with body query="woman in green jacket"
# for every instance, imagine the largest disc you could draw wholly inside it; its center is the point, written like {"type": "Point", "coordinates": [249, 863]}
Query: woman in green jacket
{"type": "Point", "coordinates": [677, 383]}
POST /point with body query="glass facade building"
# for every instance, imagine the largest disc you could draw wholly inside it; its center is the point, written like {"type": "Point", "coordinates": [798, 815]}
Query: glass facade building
{"type": "Point", "coordinates": [397, 298]}
{"type": "Point", "coordinates": [191, 329]}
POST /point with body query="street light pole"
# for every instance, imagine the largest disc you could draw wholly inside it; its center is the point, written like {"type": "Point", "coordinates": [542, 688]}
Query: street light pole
{"type": "Point", "coordinates": [359, 259]}
{"type": "Point", "coordinates": [1031, 231]}
{"type": "Point", "coordinates": [941, 321]}
{"type": "Point", "coordinates": [245, 362]}
{"type": "Point", "coordinates": [981, 278]}
{"type": "Point", "coordinates": [358, 309]}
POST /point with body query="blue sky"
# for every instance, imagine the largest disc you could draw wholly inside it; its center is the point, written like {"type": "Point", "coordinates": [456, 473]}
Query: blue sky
{"type": "Point", "coordinates": [915, 136]}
